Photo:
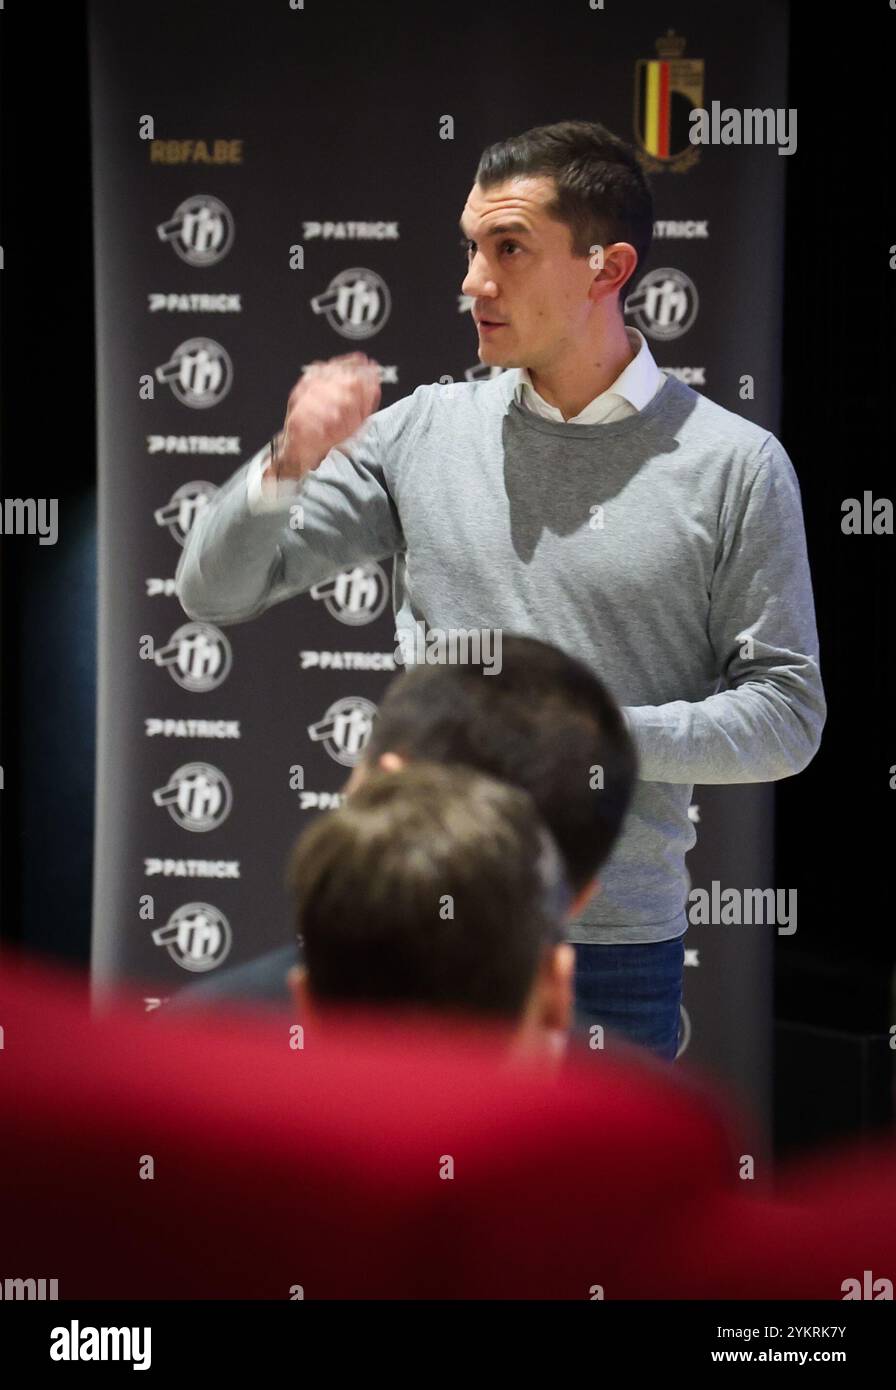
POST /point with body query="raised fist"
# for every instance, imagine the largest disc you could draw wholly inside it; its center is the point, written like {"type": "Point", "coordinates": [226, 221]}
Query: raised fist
{"type": "Point", "coordinates": [329, 402]}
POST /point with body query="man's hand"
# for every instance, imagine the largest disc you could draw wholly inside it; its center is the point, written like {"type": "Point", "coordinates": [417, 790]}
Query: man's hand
{"type": "Point", "coordinates": [329, 402]}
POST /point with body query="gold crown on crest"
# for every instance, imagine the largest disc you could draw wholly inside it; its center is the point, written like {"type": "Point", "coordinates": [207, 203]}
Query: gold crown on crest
{"type": "Point", "coordinates": [671, 45]}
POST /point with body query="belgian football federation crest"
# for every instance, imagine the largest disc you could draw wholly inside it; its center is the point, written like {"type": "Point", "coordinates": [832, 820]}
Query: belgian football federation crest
{"type": "Point", "coordinates": [667, 89]}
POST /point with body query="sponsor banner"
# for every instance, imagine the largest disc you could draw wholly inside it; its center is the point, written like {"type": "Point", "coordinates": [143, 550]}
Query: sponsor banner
{"type": "Point", "coordinates": [221, 274]}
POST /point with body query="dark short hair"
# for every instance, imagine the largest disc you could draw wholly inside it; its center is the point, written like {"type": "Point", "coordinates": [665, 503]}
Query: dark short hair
{"type": "Point", "coordinates": [602, 193]}
{"type": "Point", "coordinates": [544, 722]}
{"type": "Point", "coordinates": [432, 886]}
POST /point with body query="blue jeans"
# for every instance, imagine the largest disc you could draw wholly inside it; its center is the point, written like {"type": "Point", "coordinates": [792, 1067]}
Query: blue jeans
{"type": "Point", "coordinates": [634, 991]}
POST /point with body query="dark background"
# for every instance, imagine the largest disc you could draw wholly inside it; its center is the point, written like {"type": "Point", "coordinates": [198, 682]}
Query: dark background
{"type": "Point", "coordinates": [834, 823]}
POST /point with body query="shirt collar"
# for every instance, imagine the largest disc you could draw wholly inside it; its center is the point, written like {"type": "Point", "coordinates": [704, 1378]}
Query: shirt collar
{"type": "Point", "coordinates": [637, 383]}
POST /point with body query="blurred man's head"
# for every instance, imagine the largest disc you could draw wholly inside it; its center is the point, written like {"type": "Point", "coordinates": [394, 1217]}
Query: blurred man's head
{"type": "Point", "coordinates": [436, 888]}
{"type": "Point", "coordinates": [544, 723]}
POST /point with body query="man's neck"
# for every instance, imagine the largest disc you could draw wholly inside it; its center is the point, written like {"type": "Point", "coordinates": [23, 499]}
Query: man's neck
{"type": "Point", "coordinates": [574, 384]}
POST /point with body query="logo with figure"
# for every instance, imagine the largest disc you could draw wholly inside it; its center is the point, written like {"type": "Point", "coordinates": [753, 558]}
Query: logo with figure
{"type": "Point", "coordinates": [345, 729]}
{"type": "Point", "coordinates": [198, 656]}
{"type": "Point", "coordinates": [199, 373]}
{"type": "Point", "coordinates": [196, 936]}
{"type": "Point", "coordinates": [201, 230]}
{"type": "Point", "coordinates": [356, 303]}
{"type": "Point", "coordinates": [355, 596]}
{"type": "Point", "coordinates": [664, 303]}
{"type": "Point", "coordinates": [185, 505]}
{"type": "Point", "coordinates": [198, 797]}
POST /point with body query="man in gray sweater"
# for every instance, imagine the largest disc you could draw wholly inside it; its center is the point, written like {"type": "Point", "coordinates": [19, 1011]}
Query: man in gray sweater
{"type": "Point", "coordinates": [582, 496]}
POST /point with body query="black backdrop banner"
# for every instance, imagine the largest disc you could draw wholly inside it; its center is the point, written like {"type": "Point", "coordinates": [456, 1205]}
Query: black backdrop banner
{"type": "Point", "coordinates": [276, 184]}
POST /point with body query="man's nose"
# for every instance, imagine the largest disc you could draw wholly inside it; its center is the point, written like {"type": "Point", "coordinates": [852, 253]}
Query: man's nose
{"type": "Point", "coordinates": [477, 282]}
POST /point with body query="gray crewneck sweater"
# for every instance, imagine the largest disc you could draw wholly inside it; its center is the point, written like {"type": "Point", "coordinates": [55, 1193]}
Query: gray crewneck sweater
{"type": "Point", "coordinates": [650, 547]}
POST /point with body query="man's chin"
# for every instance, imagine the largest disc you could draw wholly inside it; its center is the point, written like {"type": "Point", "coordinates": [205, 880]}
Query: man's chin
{"type": "Point", "coordinates": [494, 357]}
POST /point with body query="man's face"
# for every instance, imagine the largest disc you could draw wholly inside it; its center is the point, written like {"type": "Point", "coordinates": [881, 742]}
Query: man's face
{"type": "Point", "coordinates": [525, 276]}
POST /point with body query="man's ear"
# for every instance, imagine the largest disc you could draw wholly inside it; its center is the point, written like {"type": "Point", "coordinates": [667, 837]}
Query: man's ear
{"type": "Point", "coordinates": [391, 762]}
{"type": "Point", "coordinates": [557, 993]}
{"type": "Point", "coordinates": [591, 890]}
{"type": "Point", "coordinates": [386, 762]}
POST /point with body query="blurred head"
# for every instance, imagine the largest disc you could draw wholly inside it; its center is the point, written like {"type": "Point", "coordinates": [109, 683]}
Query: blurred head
{"type": "Point", "coordinates": [544, 723]}
{"type": "Point", "coordinates": [435, 888]}
{"type": "Point", "coordinates": [541, 203]}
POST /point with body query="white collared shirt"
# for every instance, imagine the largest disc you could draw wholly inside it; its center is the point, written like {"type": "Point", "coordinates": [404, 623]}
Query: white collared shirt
{"type": "Point", "coordinates": [635, 385]}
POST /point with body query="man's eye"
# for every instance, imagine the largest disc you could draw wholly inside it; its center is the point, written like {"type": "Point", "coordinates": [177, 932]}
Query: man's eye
{"type": "Point", "coordinates": [467, 246]}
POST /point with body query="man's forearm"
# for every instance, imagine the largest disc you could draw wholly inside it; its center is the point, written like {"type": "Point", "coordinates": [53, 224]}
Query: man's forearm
{"type": "Point", "coordinates": [248, 549]}
{"type": "Point", "coordinates": [750, 734]}
{"type": "Point", "coordinates": [232, 555]}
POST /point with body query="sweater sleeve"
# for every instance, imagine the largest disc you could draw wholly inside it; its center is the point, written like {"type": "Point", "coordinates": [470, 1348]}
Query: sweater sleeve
{"type": "Point", "coordinates": [239, 561]}
{"type": "Point", "coordinates": [766, 724]}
